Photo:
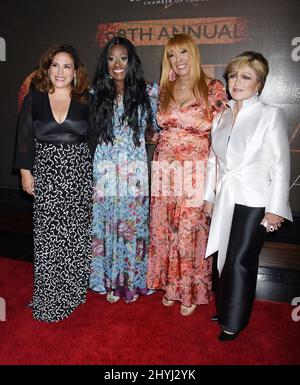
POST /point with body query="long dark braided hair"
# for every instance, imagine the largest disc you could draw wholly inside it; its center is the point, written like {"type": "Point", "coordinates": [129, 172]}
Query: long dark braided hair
{"type": "Point", "coordinates": [105, 92]}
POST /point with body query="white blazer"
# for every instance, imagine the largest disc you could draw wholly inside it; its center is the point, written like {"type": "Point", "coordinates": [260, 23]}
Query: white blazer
{"type": "Point", "coordinates": [249, 164]}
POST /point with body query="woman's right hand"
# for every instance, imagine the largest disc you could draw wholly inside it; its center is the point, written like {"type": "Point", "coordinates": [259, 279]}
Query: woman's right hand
{"type": "Point", "coordinates": [27, 182]}
{"type": "Point", "coordinates": [207, 209]}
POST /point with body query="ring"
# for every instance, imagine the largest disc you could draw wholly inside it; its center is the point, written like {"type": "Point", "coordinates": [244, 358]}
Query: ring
{"type": "Point", "coordinates": [271, 228]}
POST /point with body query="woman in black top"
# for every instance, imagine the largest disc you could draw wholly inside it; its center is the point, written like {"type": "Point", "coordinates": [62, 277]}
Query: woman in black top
{"type": "Point", "coordinates": [55, 165]}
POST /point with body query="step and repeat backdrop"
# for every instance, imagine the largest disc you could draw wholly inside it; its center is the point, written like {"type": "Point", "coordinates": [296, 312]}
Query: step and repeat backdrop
{"type": "Point", "coordinates": [221, 28]}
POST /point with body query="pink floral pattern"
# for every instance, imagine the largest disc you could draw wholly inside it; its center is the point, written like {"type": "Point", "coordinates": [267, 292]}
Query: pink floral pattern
{"type": "Point", "coordinates": [178, 227]}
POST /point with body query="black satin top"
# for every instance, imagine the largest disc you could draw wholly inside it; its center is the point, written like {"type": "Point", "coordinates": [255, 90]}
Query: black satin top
{"type": "Point", "coordinates": [36, 122]}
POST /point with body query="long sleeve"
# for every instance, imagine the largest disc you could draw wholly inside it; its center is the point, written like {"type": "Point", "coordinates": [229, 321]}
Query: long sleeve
{"type": "Point", "coordinates": [211, 177]}
{"type": "Point", "coordinates": [154, 99]}
{"type": "Point", "coordinates": [217, 96]}
{"type": "Point", "coordinates": [218, 99]}
{"type": "Point", "coordinates": [212, 167]}
{"type": "Point", "coordinates": [278, 202]}
{"type": "Point", "coordinates": [153, 134]}
{"type": "Point", "coordinates": [24, 154]}
{"type": "Point", "coordinates": [93, 137]}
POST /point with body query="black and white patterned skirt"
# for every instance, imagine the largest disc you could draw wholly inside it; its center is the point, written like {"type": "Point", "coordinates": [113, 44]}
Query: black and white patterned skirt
{"type": "Point", "coordinates": [62, 229]}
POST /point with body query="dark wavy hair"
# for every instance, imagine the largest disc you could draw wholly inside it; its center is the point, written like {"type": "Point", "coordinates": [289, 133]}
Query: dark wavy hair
{"type": "Point", "coordinates": [105, 92]}
{"type": "Point", "coordinates": [41, 81]}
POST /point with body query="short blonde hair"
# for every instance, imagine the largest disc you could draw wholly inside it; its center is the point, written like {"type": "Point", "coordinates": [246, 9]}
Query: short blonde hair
{"type": "Point", "coordinates": [256, 61]}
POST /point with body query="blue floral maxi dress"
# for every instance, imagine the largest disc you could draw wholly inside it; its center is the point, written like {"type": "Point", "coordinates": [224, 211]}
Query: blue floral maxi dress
{"type": "Point", "coordinates": [121, 209]}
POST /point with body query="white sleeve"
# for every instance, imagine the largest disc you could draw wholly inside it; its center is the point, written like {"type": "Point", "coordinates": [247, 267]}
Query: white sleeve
{"type": "Point", "coordinates": [278, 202]}
{"type": "Point", "coordinates": [211, 172]}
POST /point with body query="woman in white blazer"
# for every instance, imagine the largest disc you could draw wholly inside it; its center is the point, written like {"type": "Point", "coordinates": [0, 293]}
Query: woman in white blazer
{"type": "Point", "coordinates": [246, 189]}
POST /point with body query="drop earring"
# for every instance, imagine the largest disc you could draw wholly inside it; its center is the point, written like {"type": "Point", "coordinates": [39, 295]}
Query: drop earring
{"type": "Point", "coordinates": [172, 75]}
{"type": "Point", "coordinates": [75, 81]}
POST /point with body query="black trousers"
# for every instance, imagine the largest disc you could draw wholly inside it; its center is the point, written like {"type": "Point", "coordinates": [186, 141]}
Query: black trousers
{"type": "Point", "coordinates": [235, 288]}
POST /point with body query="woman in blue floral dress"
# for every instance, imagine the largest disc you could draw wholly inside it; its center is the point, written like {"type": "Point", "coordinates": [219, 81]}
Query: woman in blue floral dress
{"type": "Point", "coordinates": [123, 108]}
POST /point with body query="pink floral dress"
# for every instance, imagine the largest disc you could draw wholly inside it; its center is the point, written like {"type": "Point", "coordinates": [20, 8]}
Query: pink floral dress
{"type": "Point", "coordinates": [178, 227]}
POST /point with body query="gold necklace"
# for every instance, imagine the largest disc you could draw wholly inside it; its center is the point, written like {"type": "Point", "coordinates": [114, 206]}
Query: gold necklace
{"type": "Point", "coordinates": [120, 93]}
{"type": "Point", "coordinates": [183, 87]}
{"type": "Point", "coordinates": [119, 97]}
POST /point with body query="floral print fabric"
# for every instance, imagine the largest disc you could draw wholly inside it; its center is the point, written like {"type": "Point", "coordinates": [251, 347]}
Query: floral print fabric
{"type": "Point", "coordinates": [178, 227]}
{"type": "Point", "coordinates": [121, 209]}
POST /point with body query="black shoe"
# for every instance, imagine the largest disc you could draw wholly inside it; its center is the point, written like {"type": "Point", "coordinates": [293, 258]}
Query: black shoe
{"type": "Point", "coordinates": [227, 337]}
{"type": "Point", "coordinates": [214, 318]}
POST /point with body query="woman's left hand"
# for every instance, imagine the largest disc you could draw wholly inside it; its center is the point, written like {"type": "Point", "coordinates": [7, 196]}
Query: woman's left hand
{"type": "Point", "coordinates": [273, 221]}
{"type": "Point", "coordinates": [208, 209]}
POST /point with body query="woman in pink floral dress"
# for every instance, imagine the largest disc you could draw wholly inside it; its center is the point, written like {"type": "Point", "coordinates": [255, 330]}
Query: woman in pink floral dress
{"type": "Point", "coordinates": [178, 227]}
